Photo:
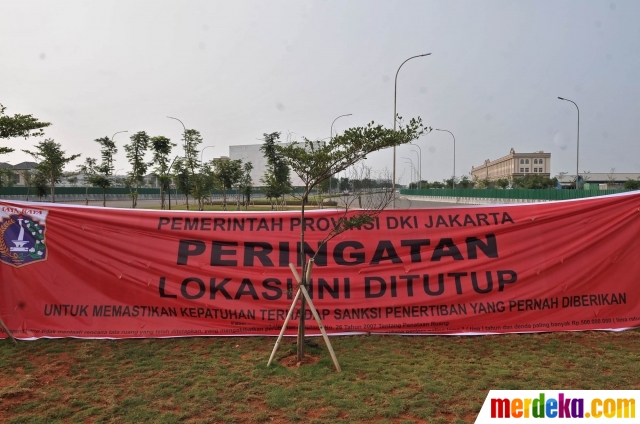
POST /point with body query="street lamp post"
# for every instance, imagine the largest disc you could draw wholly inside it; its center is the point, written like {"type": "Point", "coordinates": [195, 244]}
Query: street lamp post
{"type": "Point", "coordinates": [171, 166]}
{"type": "Point", "coordinates": [184, 147]}
{"type": "Point", "coordinates": [113, 136]}
{"type": "Point", "coordinates": [578, 142]}
{"type": "Point", "coordinates": [418, 171]}
{"type": "Point", "coordinates": [203, 149]}
{"type": "Point", "coordinates": [454, 156]}
{"type": "Point", "coordinates": [395, 96]}
{"type": "Point", "coordinates": [412, 169]}
{"type": "Point", "coordinates": [334, 121]}
{"type": "Point", "coordinates": [420, 162]}
{"type": "Point", "coordinates": [117, 133]}
{"type": "Point", "coordinates": [184, 128]}
{"type": "Point", "coordinates": [115, 173]}
{"type": "Point", "coordinates": [331, 138]}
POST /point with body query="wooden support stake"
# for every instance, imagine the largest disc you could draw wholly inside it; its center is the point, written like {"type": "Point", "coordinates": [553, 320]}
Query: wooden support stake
{"type": "Point", "coordinates": [301, 327]}
{"type": "Point", "coordinates": [324, 333]}
{"type": "Point", "coordinates": [295, 273]}
{"type": "Point", "coordinates": [308, 275]}
{"type": "Point", "coordinates": [284, 327]}
{"type": "Point", "coordinates": [8, 332]}
{"type": "Point", "coordinates": [315, 312]}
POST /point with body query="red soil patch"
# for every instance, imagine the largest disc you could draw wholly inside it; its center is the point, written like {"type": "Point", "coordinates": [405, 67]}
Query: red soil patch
{"type": "Point", "coordinates": [291, 361]}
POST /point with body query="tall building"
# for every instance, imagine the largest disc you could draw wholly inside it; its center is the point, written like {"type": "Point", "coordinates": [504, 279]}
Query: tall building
{"type": "Point", "coordinates": [514, 165]}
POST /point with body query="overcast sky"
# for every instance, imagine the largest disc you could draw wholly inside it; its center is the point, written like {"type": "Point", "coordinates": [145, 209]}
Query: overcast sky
{"type": "Point", "coordinates": [237, 69]}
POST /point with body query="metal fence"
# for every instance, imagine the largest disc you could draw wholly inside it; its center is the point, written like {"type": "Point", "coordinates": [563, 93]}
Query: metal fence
{"type": "Point", "coordinates": [113, 193]}
{"type": "Point", "coordinates": [544, 194]}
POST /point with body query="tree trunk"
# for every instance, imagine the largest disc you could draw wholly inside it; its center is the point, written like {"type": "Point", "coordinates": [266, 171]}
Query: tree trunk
{"type": "Point", "coordinates": [224, 199]}
{"type": "Point", "coordinates": [301, 323]}
{"type": "Point", "coordinates": [134, 198]}
{"type": "Point", "coordinates": [53, 190]}
{"type": "Point", "coordinates": [104, 198]}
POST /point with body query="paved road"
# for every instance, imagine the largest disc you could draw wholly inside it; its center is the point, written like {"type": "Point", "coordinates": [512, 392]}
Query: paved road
{"type": "Point", "coordinates": [404, 203]}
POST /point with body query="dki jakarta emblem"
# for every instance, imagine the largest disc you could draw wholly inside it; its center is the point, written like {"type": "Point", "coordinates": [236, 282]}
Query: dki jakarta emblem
{"type": "Point", "coordinates": [22, 236]}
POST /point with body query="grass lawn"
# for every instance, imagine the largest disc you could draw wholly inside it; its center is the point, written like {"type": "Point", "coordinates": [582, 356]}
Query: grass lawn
{"type": "Point", "coordinates": [257, 206]}
{"type": "Point", "coordinates": [385, 379]}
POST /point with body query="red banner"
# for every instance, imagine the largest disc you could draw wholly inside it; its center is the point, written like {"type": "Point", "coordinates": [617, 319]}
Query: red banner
{"type": "Point", "coordinates": [90, 272]}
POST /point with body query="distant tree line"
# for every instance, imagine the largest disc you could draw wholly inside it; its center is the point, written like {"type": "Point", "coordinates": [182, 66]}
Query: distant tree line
{"type": "Point", "coordinates": [526, 182]}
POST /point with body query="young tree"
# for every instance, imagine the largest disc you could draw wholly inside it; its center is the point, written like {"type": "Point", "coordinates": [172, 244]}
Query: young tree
{"type": "Point", "coordinates": [19, 126]}
{"type": "Point", "coordinates": [88, 168]}
{"type": "Point", "coordinates": [326, 186]}
{"type": "Point", "coordinates": [465, 182]}
{"type": "Point", "coordinates": [202, 183]}
{"type": "Point", "coordinates": [29, 180]}
{"type": "Point", "coordinates": [503, 183]}
{"type": "Point", "coordinates": [270, 188]}
{"type": "Point", "coordinates": [277, 178]}
{"type": "Point", "coordinates": [632, 185]}
{"type": "Point", "coordinates": [51, 161]}
{"type": "Point", "coordinates": [40, 184]}
{"type": "Point", "coordinates": [183, 178]}
{"type": "Point", "coordinates": [344, 184]}
{"type": "Point", "coordinates": [451, 182]}
{"type": "Point", "coordinates": [108, 149]}
{"type": "Point", "coordinates": [533, 181]}
{"type": "Point", "coordinates": [191, 139]}
{"type": "Point", "coordinates": [101, 177]}
{"type": "Point", "coordinates": [136, 151]}
{"type": "Point", "coordinates": [228, 173]}
{"type": "Point", "coordinates": [315, 161]}
{"type": "Point", "coordinates": [484, 184]}
{"type": "Point", "coordinates": [6, 177]}
{"type": "Point", "coordinates": [161, 147]}
{"type": "Point", "coordinates": [246, 184]}
{"type": "Point", "coordinates": [323, 186]}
